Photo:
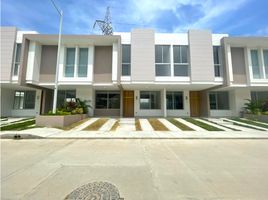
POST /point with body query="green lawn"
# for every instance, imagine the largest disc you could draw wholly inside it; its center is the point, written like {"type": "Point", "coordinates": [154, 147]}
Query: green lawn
{"type": "Point", "coordinates": [19, 126]}
{"type": "Point", "coordinates": [202, 125]}
{"type": "Point", "coordinates": [180, 125]}
{"type": "Point", "coordinates": [247, 121]}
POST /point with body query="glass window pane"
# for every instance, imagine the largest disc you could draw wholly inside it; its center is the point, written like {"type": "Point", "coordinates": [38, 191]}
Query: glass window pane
{"type": "Point", "coordinates": [216, 54]}
{"type": "Point", "coordinates": [145, 100]}
{"type": "Point", "coordinates": [158, 54]}
{"type": "Point", "coordinates": [176, 54]}
{"type": "Point", "coordinates": [223, 100]}
{"type": "Point", "coordinates": [217, 70]}
{"type": "Point", "coordinates": [16, 69]}
{"type": "Point", "coordinates": [29, 102]}
{"type": "Point", "coordinates": [70, 59]}
{"type": "Point", "coordinates": [184, 54]}
{"type": "Point", "coordinates": [181, 70]}
{"type": "Point", "coordinates": [101, 100]}
{"type": "Point", "coordinates": [126, 69]}
{"type": "Point", "coordinates": [259, 96]}
{"type": "Point", "coordinates": [265, 59]}
{"type": "Point", "coordinates": [178, 100]}
{"type": "Point", "coordinates": [126, 53]}
{"type": "Point", "coordinates": [18, 52]}
{"type": "Point", "coordinates": [212, 101]}
{"type": "Point", "coordinates": [83, 61]}
{"type": "Point", "coordinates": [162, 70]}
{"type": "Point", "coordinates": [18, 100]}
{"type": "Point", "coordinates": [60, 98]}
{"type": "Point", "coordinates": [155, 100]}
{"type": "Point", "coordinates": [169, 100]}
{"type": "Point", "coordinates": [166, 54]}
{"type": "Point", "coordinates": [255, 64]}
{"type": "Point", "coordinates": [114, 100]}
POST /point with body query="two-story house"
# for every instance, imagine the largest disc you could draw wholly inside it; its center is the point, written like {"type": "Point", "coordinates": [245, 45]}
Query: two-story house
{"type": "Point", "coordinates": [133, 74]}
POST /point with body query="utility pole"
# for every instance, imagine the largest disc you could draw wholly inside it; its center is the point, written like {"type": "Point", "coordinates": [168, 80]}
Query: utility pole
{"type": "Point", "coordinates": [106, 24]}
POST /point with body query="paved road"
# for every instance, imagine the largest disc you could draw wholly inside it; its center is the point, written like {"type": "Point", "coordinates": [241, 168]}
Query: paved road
{"type": "Point", "coordinates": [140, 169]}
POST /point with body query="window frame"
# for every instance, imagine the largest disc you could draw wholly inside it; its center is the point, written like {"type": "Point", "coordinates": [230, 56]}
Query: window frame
{"type": "Point", "coordinates": [149, 93]}
{"type": "Point", "coordinates": [216, 93]}
{"type": "Point", "coordinates": [82, 65]}
{"type": "Point", "coordinates": [180, 63]}
{"type": "Point", "coordinates": [126, 63]}
{"type": "Point", "coordinates": [163, 64]}
{"type": "Point", "coordinates": [217, 65]}
{"type": "Point", "coordinates": [59, 103]}
{"type": "Point", "coordinates": [23, 99]}
{"type": "Point", "coordinates": [173, 100]}
{"type": "Point", "coordinates": [107, 93]}
{"type": "Point", "coordinates": [16, 63]}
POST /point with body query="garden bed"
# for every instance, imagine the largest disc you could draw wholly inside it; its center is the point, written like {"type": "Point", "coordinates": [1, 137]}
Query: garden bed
{"type": "Point", "coordinates": [58, 121]}
{"type": "Point", "coordinates": [261, 118]}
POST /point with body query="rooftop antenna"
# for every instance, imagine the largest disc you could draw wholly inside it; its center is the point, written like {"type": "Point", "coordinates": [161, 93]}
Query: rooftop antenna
{"type": "Point", "coordinates": [106, 24]}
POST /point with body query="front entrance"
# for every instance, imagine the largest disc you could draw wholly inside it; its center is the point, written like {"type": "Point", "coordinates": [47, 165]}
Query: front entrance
{"type": "Point", "coordinates": [195, 103]}
{"type": "Point", "coordinates": [128, 103]}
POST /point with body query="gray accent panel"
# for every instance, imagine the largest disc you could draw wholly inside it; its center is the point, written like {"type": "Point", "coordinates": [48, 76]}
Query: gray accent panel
{"type": "Point", "coordinates": [142, 55]}
{"type": "Point", "coordinates": [106, 112]}
{"type": "Point", "coordinates": [23, 61]}
{"type": "Point", "coordinates": [7, 99]}
{"type": "Point", "coordinates": [8, 40]}
{"type": "Point", "coordinates": [201, 55]}
{"type": "Point", "coordinates": [48, 63]}
{"type": "Point", "coordinates": [238, 64]}
{"type": "Point", "coordinates": [103, 64]}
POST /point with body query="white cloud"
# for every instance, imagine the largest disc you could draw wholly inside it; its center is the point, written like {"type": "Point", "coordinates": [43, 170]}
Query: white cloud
{"type": "Point", "coordinates": [263, 31]}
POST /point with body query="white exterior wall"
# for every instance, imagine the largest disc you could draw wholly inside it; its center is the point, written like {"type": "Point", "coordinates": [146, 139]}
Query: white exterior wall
{"type": "Point", "coordinates": [7, 97]}
{"type": "Point", "coordinates": [85, 93]}
{"type": "Point", "coordinates": [33, 63]}
{"type": "Point", "coordinates": [115, 62]}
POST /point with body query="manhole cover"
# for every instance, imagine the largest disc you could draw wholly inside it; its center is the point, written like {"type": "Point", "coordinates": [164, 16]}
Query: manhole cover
{"type": "Point", "coordinates": [95, 191]}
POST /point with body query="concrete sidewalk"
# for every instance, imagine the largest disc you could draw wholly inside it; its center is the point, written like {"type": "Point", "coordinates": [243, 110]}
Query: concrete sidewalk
{"type": "Point", "coordinates": [52, 133]}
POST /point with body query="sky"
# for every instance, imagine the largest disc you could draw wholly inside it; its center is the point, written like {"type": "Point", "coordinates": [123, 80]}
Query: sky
{"type": "Point", "coordinates": [234, 17]}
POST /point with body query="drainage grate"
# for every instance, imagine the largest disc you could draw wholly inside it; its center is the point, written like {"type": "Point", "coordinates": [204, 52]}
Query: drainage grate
{"type": "Point", "coordinates": [95, 191]}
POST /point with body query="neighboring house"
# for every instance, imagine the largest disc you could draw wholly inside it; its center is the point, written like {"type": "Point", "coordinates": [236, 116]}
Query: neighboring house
{"type": "Point", "coordinates": [141, 73]}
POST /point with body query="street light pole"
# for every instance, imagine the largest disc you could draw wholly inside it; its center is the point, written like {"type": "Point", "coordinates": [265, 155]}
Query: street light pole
{"type": "Point", "coordinates": [58, 59]}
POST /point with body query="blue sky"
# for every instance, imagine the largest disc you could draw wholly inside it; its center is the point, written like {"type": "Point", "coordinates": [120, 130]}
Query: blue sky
{"type": "Point", "coordinates": [236, 17]}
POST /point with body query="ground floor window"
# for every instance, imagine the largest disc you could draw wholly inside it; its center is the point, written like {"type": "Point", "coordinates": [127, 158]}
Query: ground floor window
{"type": "Point", "coordinates": [219, 100]}
{"type": "Point", "coordinates": [24, 100]}
{"type": "Point", "coordinates": [150, 100]}
{"type": "Point", "coordinates": [107, 100]}
{"type": "Point", "coordinates": [174, 100]}
{"type": "Point", "coordinates": [64, 95]}
{"type": "Point", "coordinates": [259, 95]}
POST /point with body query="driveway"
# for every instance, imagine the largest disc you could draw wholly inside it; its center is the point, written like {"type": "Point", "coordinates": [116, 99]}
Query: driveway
{"type": "Point", "coordinates": [140, 169]}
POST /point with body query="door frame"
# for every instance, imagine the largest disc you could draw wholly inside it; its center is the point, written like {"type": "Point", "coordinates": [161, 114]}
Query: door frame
{"type": "Point", "coordinates": [195, 99]}
{"type": "Point", "coordinates": [125, 101]}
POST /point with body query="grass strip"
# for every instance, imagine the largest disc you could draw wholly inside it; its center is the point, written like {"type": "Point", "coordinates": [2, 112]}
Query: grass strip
{"type": "Point", "coordinates": [157, 125]}
{"type": "Point", "coordinates": [243, 125]}
{"type": "Point", "coordinates": [202, 125]}
{"type": "Point", "coordinates": [115, 126]}
{"type": "Point", "coordinates": [73, 125]}
{"type": "Point", "coordinates": [18, 121]}
{"type": "Point", "coordinates": [138, 125]}
{"type": "Point", "coordinates": [95, 126]}
{"type": "Point", "coordinates": [18, 126]}
{"type": "Point", "coordinates": [179, 125]}
{"type": "Point", "coordinates": [221, 125]}
{"type": "Point", "coordinates": [247, 121]}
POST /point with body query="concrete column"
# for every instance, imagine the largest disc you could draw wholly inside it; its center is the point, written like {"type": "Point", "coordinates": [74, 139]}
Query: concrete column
{"type": "Point", "coordinates": [76, 60]}
{"type": "Point", "coordinates": [165, 102]}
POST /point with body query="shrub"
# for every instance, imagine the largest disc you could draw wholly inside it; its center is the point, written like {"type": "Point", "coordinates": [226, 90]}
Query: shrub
{"type": "Point", "coordinates": [253, 107]}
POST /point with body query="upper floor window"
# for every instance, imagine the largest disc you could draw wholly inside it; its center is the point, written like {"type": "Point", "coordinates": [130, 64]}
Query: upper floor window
{"type": "Point", "coordinates": [162, 60]}
{"type": "Point", "coordinates": [70, 61]}
{"type": "Point", "coordinates": [17, 60]}
{"type": "Point", "coordinates": [83, 61]}
{"type": "Point", "coordinates": [174, 100]}
{"type": "Point", "coordinates": [219, 100]}
{"type": "Point", "coordinates": [265, 60]}
{"type": "Point", "coordinates": [217, 60]}
{"type": "Point", "coordinates": [24, 100]}
{"type": "Point", "coordinates": [126, 60]}
{"type": "Point", "coordinates": [181, 63]}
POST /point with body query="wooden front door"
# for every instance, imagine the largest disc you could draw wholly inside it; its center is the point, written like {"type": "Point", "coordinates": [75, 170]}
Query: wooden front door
{"type": "Point", "coordinates": [128, 103]}
{"type": "Point", "coordinates": [195, 103]}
